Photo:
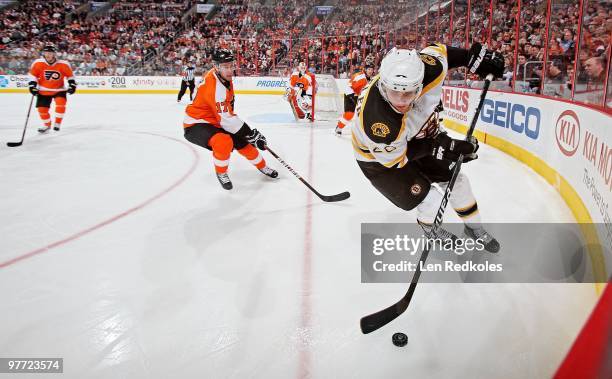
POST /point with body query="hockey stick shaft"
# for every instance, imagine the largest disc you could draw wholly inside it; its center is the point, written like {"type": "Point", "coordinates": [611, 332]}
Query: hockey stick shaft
{"type": "Point", "coordinates": [379, 319]}
{"type": "Point", "coordinates": [332, 198]}
{"type": "Point", "coordinates": [25, 126]}
{"type": "Point", "coordinates": [457, 168]}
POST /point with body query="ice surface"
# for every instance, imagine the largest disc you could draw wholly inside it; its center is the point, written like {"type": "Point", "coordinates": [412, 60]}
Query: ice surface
{"type": "Point", "coordinates": [120, 252]}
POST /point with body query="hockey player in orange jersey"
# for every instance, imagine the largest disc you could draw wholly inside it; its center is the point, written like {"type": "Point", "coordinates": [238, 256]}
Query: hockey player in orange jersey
{"type": "Point", "coordinates": [210, 121]}
{"type": "Point", "coordinates": [299, 92]}
{"type": "Point", "coordinates": [47, 76]}
{"type": "Point", "coordinates": [356, 84]}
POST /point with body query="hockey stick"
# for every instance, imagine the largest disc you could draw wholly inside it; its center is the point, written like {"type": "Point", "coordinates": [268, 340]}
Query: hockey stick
{"type": "Point", "coordinates": [339, 197]}
{"type": "Point", "coordinates": [379, 319]}
{"type": "Point", "coordinates": [15, 144]}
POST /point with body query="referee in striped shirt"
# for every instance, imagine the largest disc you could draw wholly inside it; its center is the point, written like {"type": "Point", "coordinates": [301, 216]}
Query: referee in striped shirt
{"type": "Point", "coordinates": [188, 80]}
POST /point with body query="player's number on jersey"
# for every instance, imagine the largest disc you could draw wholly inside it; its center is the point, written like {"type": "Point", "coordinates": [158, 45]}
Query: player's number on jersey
{"type": "Point", "coordinates": [224, 107]}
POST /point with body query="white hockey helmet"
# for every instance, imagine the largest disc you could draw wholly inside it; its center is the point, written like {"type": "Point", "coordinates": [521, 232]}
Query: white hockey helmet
{"type": "Point", "coordinates": [401, 71]}
{"type": "Point", "coordinates": [302, 67]}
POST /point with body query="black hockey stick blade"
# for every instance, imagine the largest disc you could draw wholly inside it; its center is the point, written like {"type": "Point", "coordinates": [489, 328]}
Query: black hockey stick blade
{"type": "Point", "coordinates": [327, 198]}
{"type": "Point", "coordinates": [379, 319]}
{"type": "Point", "coordinates": [331, 198]}
{"type": "Point", "coordinates": [14, 144]}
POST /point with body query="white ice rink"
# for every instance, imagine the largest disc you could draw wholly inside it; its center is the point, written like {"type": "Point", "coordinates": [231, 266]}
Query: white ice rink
{"type": "Point", "coordinates": [120, 252]}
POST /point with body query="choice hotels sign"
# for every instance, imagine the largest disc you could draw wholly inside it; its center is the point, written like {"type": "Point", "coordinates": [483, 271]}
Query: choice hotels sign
{"type": "Point", "coordinates": [567, 131]}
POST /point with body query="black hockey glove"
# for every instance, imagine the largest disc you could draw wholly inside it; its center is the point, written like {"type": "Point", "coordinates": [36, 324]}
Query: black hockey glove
{"type": "Point", "coordinates": [351, 99]}
{"type": "Point", "coordinates": [32, 87]}
{"type": "Point", "coordinates": [257, 139]}
{"type": "Point", "coordinates": [483, 62]}
{"type": "Point", "coordinates": [71, 86]}
{"type": "Point", "coordinates": [449, 148]}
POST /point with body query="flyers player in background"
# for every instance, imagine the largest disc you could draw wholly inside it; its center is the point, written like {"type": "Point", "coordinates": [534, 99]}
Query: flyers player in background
{"type": "Point", "coordinates": [47, 76]}
{"type": "Point", "coordinates": [356, 84]}
{"type": "Point", "coordinates": [210, 121]}
{"type": "Point", "coordinates": [299, 92]}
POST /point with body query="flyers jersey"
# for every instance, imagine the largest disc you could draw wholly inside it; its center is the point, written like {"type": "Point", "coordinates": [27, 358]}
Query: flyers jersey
{"type": "Point", "coordinates": [213, 104]}
{"type": "Point", "coordinates": [50, 77]}
{"type": "Point", "coordinates": [356, 83]}
{"type": "Point", "coordinates": [305, 80]}
{"type": "Point", "coordinates": [381, 133]}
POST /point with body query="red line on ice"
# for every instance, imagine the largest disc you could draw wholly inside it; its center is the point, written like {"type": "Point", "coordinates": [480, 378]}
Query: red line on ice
{"type": "Point", "coordinates": [305, 329]}
{"type": "Point", "coordinates": [119, 216]}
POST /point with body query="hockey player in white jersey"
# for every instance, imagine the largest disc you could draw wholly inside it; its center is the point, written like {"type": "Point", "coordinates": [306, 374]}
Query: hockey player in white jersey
{"type": "Point", "coordinates": [400, 145]}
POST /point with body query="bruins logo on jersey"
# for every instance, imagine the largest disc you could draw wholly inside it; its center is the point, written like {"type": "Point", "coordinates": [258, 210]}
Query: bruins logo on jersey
{"type": "Point", "coordinates": [428, 59]}
{"type": "Point", "coordinates": [52, 75]}
{"type": "Point", "coordinates": [380, 130]}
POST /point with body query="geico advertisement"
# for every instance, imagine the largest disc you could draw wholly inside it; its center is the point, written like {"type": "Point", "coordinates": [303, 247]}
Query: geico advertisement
{"type": "Point", "coordinates": [514, 118]}
{"type": "Point", "coordinates": [575, 141]}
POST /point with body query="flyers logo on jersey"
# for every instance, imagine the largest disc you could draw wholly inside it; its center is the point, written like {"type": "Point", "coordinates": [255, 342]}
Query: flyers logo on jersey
{"type": "Point", "coordinates": [380, 130]}
{"type": "Point", "coordinates": [52, 75]}
{"type": "Point", "coordinates": [428, 59]}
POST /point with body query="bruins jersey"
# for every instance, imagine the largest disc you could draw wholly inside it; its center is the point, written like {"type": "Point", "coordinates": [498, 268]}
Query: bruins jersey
{"type": "Point", "coordinates": [382, 134]}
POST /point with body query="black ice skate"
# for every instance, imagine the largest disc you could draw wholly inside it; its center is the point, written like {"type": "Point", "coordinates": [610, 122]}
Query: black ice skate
{"type": "Point", "coordinates": [490, 243]}
{"type": "Point", "coordinates": [267, 171]}
{"type": "Point", "coordinates": [225, 181]}
{"type": "Point", "coordinates": [441, 233]}
{"type": "Point", "coordinates": [338, 131]}
{"type": "Point", "coordinates": [56, 127]}
{"type": "Point", "coordinates": [44, 129]}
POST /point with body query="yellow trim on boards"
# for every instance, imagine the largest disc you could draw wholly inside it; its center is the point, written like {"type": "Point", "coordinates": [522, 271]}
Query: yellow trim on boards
{"type": "Point", "coordinates": [567, 192]}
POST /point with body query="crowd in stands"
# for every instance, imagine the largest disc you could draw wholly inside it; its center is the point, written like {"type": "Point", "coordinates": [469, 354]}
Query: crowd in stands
{"type": "Point", "coordinates": [339, 42]}
{"type": "Point", "coordinates": [260, 34]}
{"type": "Point", "coordinates": [105, 44]}
{"type": "Point", "coordinates": [36, 19]}
{"type": "Point", "coordinates": [272, 36]}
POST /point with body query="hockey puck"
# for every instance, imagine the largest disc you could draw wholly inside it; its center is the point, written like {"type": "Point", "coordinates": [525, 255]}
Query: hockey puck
{"type": "Point", "coordinates": [400, 339]}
